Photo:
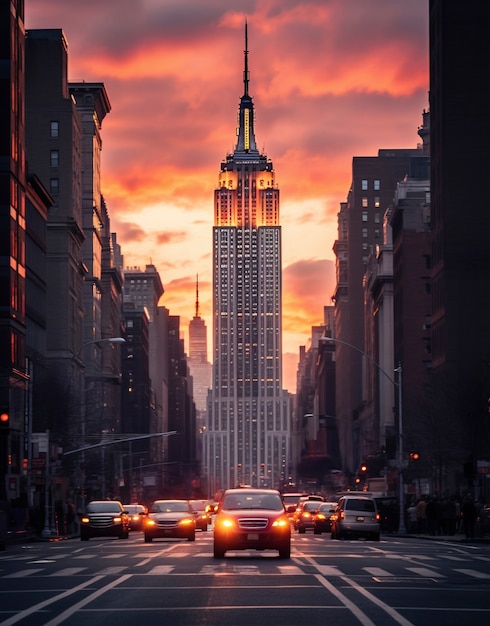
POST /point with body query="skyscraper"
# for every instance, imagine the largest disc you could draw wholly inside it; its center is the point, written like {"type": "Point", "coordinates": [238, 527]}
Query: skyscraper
{"type": "Point", "coordinates": [199, 365]}
{"type": "Point", "coordinates": [247, 436]}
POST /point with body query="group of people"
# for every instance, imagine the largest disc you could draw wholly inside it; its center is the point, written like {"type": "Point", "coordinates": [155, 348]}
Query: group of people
{"type": "Point", "coordinates": [445, 516]}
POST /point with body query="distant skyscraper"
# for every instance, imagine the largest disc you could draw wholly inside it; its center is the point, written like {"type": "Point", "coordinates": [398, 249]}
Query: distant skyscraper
{"type": "Point", "coordinates": [247, 437]}
{"type": "Point", "coordinates": [199, 365]}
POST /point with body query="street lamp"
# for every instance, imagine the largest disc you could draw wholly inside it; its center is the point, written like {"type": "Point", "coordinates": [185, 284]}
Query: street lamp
{"type": "Point", "coordinates": [97, 341]}
{"type": "Point", "coordinates": [398, 384]}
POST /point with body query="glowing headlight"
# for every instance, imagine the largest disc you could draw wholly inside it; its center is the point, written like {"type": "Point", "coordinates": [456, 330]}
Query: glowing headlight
{"type": "Point", "coordinates": [150, 522]}
{"type": "Point", "coordinates": [226, 523]}
{"type": "Point", "coordinates": [186, 521]}
{"type": "Point", "coordinates": [320, 516]}
{"type": "Point", "coordinates": [117, 519]}
{"type": "Point", "coordinates": [85, 520]}
{"type": "Point", "coordinates": [280, 522]}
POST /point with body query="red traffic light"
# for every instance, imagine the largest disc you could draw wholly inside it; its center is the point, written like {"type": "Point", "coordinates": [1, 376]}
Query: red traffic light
{"type": "Point", "coordinates": [4, 420]}
{"type": "Point", "coordinates": [363, 468]}
{"type": "Point", "coordinates": [414, 456]}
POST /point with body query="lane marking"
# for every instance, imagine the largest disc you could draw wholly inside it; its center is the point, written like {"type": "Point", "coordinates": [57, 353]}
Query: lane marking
{"type": "Point", "coordinates": [364, 619]}
{"type": "Point", "coordinates": [41, 605]}
{"type": "Point", "coordinates": [399, 619]}
{"type": "Point", "coordinates": [93, 596]}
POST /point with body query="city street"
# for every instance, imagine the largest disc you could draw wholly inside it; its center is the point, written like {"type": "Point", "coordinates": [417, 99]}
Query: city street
{"type": "Point", "coordinates": [109, 581]}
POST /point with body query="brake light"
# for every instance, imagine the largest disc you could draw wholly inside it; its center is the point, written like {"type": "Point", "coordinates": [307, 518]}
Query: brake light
{"type": "Point", "coordinates": [341, 514]}
{"type": "Point", "coordinates": [378, 517]}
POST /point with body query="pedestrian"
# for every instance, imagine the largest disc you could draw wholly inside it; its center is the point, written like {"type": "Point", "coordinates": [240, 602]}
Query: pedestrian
{"type": "Point", "coordinates": [412, 517]}
{"type": "Point", "coordinates": [468, 511]}
{"type": "Point", "coordinates": [421, 516]}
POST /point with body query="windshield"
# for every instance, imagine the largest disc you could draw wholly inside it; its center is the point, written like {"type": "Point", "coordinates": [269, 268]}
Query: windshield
{"type": "Point", "coordinates": [271, 502]}
{"type": "Point", "coordinates": [169, 507]}
{"type": "Point", "coordinates": [104, 507]}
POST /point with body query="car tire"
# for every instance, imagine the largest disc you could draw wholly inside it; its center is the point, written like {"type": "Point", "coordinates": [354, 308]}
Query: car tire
{"type": "Point", "coordinates": [148, 539]}
{"type": "Point", "coordinates": [285, 552]}
{"type": "Point", "coordinates": [301, 530]}
{"type": "Point", "coordinates": [191, 537]}
{"type": "Point", "coordinates": [317, 532]}
{"type": "Point", "coordinates": [376, 537]}
{"type": "Point", "coordinates": [124, 535]}
{"type": "Point", "coordinates": [84, 538]}
{"type": "Point", "coordinates": [218, 551]}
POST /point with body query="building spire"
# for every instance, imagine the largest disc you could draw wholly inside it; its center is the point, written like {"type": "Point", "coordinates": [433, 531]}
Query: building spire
{"type": "Point", "coordinates": [246, 145]}
{"type": "Point", "coordinates": [246, 75]}
{"type": "Point", "coordinates": [197, 295]}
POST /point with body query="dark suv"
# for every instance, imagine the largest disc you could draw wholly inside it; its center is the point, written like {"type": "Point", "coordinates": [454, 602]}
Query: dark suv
{"type": "Point", "coordinates": [104, 518]}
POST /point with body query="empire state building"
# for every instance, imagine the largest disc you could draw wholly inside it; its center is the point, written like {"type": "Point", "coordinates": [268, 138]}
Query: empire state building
{"type": "Point", "coordinates": [247, 438]}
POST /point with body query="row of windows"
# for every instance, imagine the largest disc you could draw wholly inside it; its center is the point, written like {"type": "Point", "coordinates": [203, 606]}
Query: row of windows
{"type": "Point", "coordinates": [365, 184]}
{"type": "Point", "coordinates": [365, 217]}
{"type": "Point", "coordinates": [365, 202]}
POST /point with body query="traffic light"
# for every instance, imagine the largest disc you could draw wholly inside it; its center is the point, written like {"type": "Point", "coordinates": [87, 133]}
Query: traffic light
{"type": "Point", "coordinates": [363, 468]}
{"type": "Point", "coordinates": [4, 421]}
{"type": "Point", "coordinates": [414, 456]}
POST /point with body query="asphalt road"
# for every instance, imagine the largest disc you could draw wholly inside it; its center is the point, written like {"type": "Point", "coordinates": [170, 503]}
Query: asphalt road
{"type": "Point", "coordinates": [404, 581]}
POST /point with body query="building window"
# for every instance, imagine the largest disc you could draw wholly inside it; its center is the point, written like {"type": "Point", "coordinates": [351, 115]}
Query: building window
{"type": "Point", "coordinates": [54, 158]}
{"type": "Point", "coordinates": [376, 202]}
{"type": "Point", "coordinates": [377, 185]}
{"type": "Point", "coordinates": [54, 186]}
{"type": "Point", "coordinates": [55, 129]}
{"type": "Point", "coordinates": [364, 216]}
{"type": "Point", "coordinates": [364, 232]}
{"type": "Point", "coordinates": [376, 218]}
{"type": "Point", "coordinates": [364, 184]}
{"type": "Point", "coordinates": [364, 202]}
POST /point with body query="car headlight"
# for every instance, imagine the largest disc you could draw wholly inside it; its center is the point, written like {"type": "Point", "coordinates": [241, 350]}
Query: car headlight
{"type": "Point", "coordinates": [225, 523]}
{"type": "Point", "coordinates": [280, 522]}
{"type": "Point", "coordinates": [85, 520]}
{"type": "Point", "coordinates": [117, 519]}
{"type": "Point", "coordinates": [150, 522]}
{"type": "Point", "coordinates": [186, 521]}
{"type": "Point", "coordinates": [320, 516]}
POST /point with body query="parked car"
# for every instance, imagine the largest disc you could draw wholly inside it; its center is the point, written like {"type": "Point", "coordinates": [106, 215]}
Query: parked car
{"type": "Point", "coordinates": [170, 519]}
{"type": "Point", "coordinates": [355, 516]}
{"type": "Point", "coordinates": [252, 519]}
{"type": "Point", "coordinates": [104, 518]}
{"type": "Point", "coordinates": [136, 514]}
{"type": "Point", "coordinates": [202, 512]}
{"type": "Point", "coordinates": [321, 519]}
{"type": "Point", "coordinates": [303, 516]}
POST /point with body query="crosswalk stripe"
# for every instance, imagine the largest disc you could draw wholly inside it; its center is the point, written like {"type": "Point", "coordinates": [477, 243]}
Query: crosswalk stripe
{"type": "Point", "coordinates": [377, 571]}
{"type": "Point", "coordinates": [160, 570]}
{"type": "Point", "coordinates": [24, 572]}
{"type": "Point", "coordinates": [69, 571]}
{"type": "Point", "coordinates": [474, 573]}
{"type": "Point", "coordinates": [111, 571]}
{"type": "Point", "coordinates": [329, 570]}
{"type": "Point", "coordinates": [425, 572]}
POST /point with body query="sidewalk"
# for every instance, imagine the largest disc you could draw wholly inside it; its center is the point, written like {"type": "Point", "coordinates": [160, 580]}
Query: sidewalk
{"type": "Point", "coordinates": [457, 537]}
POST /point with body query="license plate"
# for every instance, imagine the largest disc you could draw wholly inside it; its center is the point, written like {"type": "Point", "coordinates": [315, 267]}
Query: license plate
{"type": "Point", "coordinates": [253, 537]}
{"type": "Point", "coordinates": [360, 519]}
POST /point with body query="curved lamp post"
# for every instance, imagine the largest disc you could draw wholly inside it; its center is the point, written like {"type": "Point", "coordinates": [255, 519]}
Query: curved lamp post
{"type": "Point", "coordinates": [398, 384]}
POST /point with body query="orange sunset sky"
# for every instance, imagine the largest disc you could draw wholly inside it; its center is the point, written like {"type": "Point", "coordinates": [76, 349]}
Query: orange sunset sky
{"type": "Point", "coordinates": [330, 79]}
